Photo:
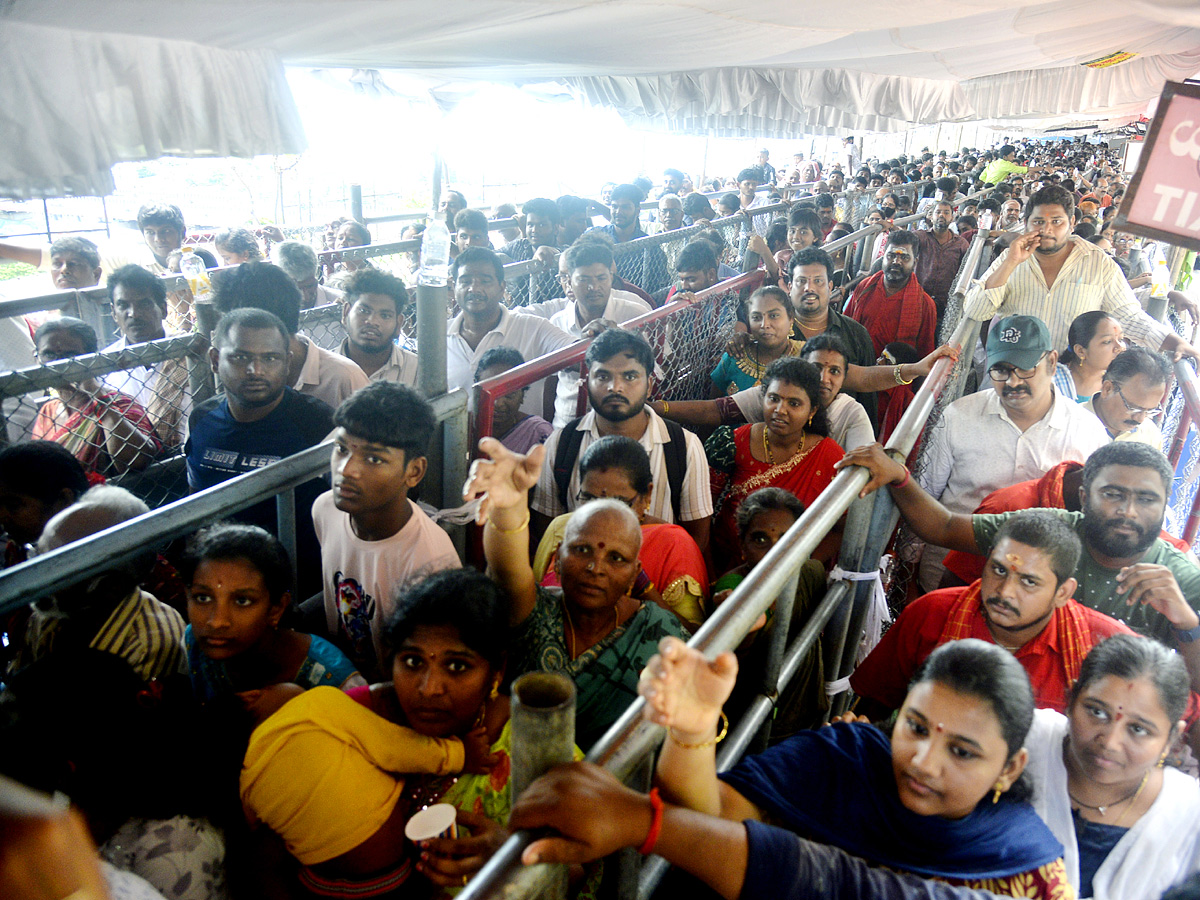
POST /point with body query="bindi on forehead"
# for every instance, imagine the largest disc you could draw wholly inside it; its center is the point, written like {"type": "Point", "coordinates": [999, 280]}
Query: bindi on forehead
{"type": "Point", "coordinates": [1013, 559]}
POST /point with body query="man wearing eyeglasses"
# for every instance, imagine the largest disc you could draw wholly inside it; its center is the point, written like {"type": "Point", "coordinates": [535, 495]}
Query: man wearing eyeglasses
{"type": "Point", "coordinates": [1015, 432]}
{"type": "Point", "coordinates": [1130, 397]}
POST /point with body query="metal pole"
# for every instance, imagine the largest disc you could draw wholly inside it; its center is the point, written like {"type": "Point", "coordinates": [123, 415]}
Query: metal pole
{"type": "Point", "coordinates": [356, 204]}
{"type": "Point", "coordinates": [435, 206]}
{"type": "Point", "coordinates": [285, 526]}
{"type": "Point", "coordinates": [543, 736]}
{"type": "Point", "coordinates": [46, 215]}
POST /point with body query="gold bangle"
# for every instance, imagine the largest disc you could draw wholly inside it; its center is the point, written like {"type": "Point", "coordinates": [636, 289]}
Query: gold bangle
{"type": "Point", "coordinates": [515, 530]}
{"type": "Point", "coordinates": [899, 379]}
{"type": "Point", "coordinates": [711, 742]}
{"type": "Point", "coordinates": [666, 407]}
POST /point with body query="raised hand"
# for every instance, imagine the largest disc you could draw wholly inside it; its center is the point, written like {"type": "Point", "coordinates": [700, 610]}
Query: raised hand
{"type": "Point", "coordinates": [684, 691]}
{"type": "Point", "coordinates": [503, 480]}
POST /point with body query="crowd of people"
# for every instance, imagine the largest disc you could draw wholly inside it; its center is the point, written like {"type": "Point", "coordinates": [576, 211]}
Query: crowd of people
{"type": "Point", "coordinates": [1024, 727]}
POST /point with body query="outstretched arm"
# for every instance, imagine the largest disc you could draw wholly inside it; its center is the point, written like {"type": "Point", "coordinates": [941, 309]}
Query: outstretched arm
{"type": "Point", "coordinates": [502, 482]}
{"type": "Point", "coordinates": [684, 693]}
{"type": "Point", "coordinates": [882, 378]}
{"type": "Point", "coordinates": [928, 519]}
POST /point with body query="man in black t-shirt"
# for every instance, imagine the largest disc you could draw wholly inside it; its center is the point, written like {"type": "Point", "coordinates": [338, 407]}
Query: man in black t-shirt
{"type": "Point", "coordinates": [258, 419]}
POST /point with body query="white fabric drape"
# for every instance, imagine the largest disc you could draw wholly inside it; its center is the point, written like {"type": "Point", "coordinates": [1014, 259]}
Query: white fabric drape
{"type": "Point", "coordinates": [74, 103]}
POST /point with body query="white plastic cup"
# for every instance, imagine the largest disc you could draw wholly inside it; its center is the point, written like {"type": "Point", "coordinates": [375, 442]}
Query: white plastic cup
{"type": "Point", "coordinates": [437, 821]}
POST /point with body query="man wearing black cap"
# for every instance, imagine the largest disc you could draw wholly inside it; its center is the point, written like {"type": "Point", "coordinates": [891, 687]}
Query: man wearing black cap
{"type": "Point", "coordinates": [1015, 432]}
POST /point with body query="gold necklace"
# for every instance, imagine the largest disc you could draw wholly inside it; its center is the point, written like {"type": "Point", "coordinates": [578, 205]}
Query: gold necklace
{"type": "Point", "coordinates": [767, 446]}
{"type": "Point", "coordinates": [571, 625]}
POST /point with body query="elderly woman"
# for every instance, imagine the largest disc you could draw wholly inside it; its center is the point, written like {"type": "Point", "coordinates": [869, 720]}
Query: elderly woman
{"type": "Point", "coordinates": [674, 574]}
{"type": "Point", "coordinates": [590, 628]}
{"type": "Point", "coordinates": [1129, 822]}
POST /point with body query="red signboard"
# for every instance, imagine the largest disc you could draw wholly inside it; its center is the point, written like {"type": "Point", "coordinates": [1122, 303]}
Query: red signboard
{"type": "Point", "coordinates": [1163, 200]}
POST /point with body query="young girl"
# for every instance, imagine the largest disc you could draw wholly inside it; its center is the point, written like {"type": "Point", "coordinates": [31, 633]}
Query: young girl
{"type": "Point", "coordinates": [769, 315]}
{"type": "Point", "coordinates": [237, 580]}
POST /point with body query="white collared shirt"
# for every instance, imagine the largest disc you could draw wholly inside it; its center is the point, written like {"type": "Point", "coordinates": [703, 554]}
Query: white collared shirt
{"type": "Point", "coordinates": [696, 502]}
{"type": "Point", "coordinates": [401, 367]}
{"type": "Point", "coordinates": [618, 309]}
{"type": "Point", "coordinates": [533, 336]}
{"type": "Point", "coordinates": [329, 376]}
{"type": "Point", "coordinates": [1147, 432]}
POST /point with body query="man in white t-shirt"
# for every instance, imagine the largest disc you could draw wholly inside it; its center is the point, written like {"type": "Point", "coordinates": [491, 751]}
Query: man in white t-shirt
{"type": "Point", "coordinates": [374, 539]}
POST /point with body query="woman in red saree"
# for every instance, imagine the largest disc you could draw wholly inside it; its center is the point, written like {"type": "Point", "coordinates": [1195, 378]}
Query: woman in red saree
{"type": "Point", "coordinates": [790, 449]}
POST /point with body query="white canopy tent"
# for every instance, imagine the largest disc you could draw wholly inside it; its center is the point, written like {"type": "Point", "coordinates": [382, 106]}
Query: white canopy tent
{"type": "Point", "coordinates": [88, 84]}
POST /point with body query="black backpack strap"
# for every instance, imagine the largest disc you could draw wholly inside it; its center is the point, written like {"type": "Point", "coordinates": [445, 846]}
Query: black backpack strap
{"type": "Point", "coordinates": [675, 456]}
{"type": "Point", "coordinates": [565, 457]}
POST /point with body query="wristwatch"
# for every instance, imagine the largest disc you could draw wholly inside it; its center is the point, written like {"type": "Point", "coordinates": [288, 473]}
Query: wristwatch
{"type": "Point", "coordinates": [1187, 637]}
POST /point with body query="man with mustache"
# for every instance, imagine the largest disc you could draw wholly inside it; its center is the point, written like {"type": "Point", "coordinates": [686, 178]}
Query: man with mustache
{"type": "Point", "coordinates": [1018, 430]}
{"type": "Point", "coordinates": [1050, 273]}
{"type": "Point", "coordinates": [618, 382]}
{"type": "Point", "coordinates": [942, 253]}
{"type": "Point", "coordinates": [1126, 570]}
{"type": "Point", "coordinates": [891, 304]}
{"type": "Point", "coordinates": [1023, 602]}
{"type": "Point", "coordinates": [1132, 392]}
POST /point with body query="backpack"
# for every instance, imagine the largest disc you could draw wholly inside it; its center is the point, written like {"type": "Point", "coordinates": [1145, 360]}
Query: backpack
{"type": "Point", "coordinates": [674, 455]}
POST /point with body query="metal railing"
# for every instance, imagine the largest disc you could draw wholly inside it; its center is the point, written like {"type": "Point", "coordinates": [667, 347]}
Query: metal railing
{"type": "Point", "coordinates": [629, 743]}
{"type": "Point", "coordinates": [24, 583]}
{"type": "Point", "coordinates": [487, 392]}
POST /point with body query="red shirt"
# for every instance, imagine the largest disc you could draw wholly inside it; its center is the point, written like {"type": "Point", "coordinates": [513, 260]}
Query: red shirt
{"type": "Point", "coordinates": [879, 312]}
{"type": "Point", "coordinates": [884, 675]}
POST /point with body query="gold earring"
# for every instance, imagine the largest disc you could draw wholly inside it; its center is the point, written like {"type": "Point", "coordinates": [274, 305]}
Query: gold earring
{"type": "Point", "coordinates": [495, 690]}
{"type": "Point", "coordinates": [999, 791]}
{"type": "Point", "coordinates": [1162, 759]}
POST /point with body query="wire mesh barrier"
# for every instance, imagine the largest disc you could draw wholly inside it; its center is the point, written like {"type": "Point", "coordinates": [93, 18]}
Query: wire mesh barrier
{"type": "Point", "coordinates": [687, 337]}
{"type": "Point", "coordinates": [1183, 449]}
{"type": "Point", "coordinates": [123, 414]}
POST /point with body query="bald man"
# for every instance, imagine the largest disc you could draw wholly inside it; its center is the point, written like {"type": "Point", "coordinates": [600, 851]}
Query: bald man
{"type": "Point", "coordinates": [107, 611]}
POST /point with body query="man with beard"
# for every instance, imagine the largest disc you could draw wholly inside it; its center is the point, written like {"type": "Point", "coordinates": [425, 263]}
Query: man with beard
{"type": "Point", "coordinates": [941, 255]}
{"type": "Point", "coordinates": [648, 268]}
{"type": "Point", "coordinates": [619, 364]}
{"type": "Point", "coordinates": [1054, 275]}
{"type": "Point", "coordinates": [258, 420]}
{"type": "Point", "coordinates": [1126, 570]}
{"type": "Point", "coordinates": [1023, 602]}
{"type": "Point", "coordinates": [891, 304]}
{"type": "Point", "coordinates": [373, 316]}
{"type": "Point", "coordinates": [991, 439]}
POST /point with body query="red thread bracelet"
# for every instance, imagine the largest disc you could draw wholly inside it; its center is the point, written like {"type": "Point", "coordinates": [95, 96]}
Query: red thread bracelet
{"type": "Point", "coordinates": [655, 825]}
{"type": "Point", "coordinates": [907, 476]}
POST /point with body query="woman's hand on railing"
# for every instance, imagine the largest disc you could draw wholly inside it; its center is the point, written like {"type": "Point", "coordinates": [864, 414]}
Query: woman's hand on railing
{"type": "Point", "coordinates": [450, 862]}
{"type": "Point", "coordinates": [502, 481]}
{"type": "Point", "coordinates": [849, 718]}
{"type": "Point", "coordinates": [684, 691]}
{"type": "Point", "coordinates": [592, 811]}
{"type": "Point", "coordinates": [883, 469]}
{"type": "Point", "coordinates": [922, 368]}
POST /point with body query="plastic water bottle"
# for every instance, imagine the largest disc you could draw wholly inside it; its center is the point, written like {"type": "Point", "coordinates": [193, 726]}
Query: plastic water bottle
{"type": "Point", "coordinates": [193, 269]}
{"type": "Point", "coordinates": [1160, 279]}
{"type": "Point", "coordinates": [435, 253]}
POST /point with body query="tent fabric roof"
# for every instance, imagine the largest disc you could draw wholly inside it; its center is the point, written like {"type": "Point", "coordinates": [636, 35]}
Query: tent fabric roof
{"type": "Point", "coordinates": [735, 67]}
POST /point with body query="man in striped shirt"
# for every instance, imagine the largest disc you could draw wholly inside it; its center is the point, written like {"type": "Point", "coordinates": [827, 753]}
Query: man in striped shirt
{"type": "Point", "coordinates": [1055, 276]}
{"type": "Point", "coordinates": [108, 611]}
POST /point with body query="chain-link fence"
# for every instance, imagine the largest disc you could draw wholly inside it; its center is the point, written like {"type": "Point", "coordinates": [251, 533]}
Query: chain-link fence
{"type": "Point", "coordinates": [122, 414]}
